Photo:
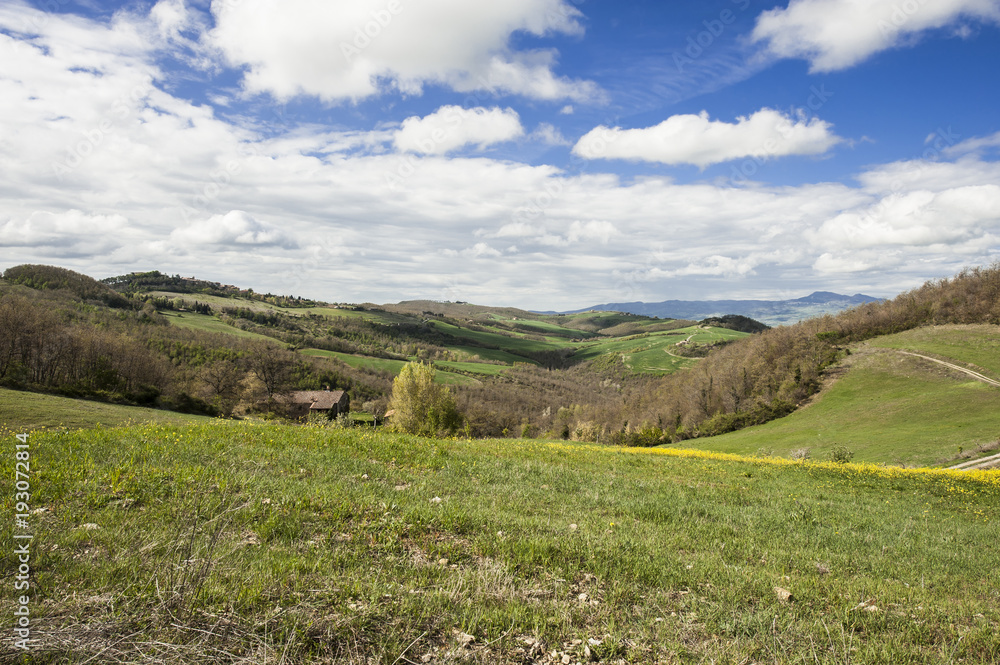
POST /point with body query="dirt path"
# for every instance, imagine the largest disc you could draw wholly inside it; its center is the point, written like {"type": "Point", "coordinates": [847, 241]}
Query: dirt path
{"type": "Point", "coordinates": [667, 350]}
{"type": "Point", "coordinates": [990, 462]}
{"type": "Point", "coordinates": [982, 463]}
{"type": "Point", "coordinates": [975, 375]}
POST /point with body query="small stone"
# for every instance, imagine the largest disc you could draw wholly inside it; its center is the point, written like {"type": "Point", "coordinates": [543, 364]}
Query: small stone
{"type": "Point", "coordinates": [442, 562]}
{"type": "Point", "coordinates": [89, 526]}
{"type": "Point", "coordinates": [566, 660]}
{"type": "Point", "coordinates": [573, 527]}
{"type": "Point", "coordinates": [364, 476]}
{"type": "Point", "coordinates": [436, 499]}
{"type": "Point", "coordinates": [784, 595]}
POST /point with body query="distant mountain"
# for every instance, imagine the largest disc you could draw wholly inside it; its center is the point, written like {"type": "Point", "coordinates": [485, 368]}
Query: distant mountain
{"type": "Point", "coordinates": [771, 312]}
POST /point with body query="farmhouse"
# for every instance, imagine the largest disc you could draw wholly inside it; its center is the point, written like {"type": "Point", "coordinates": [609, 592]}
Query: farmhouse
{"type": "Point", "coordinates": [330, 403]}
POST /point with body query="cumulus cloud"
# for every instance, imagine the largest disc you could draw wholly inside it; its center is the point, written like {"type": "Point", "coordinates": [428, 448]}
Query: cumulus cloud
{"type": "Point", "coordinates": [549, 134]}
{"type": "Point", "coordinates": [235, 229]}
{"type": "Point", "coordinates": [68, 233]}
{"type": "Point", "coordinates": [453, 127]}
{"type": "Point", "coordinates": [695, 139]}
{"type": "Point", "coordinates": [149, 179]}
{"type": "Point", "coordinates": [916, 219]}
{"type": "Point", "coordinates": [354, 50]}
{"type": "Point", "coordinates": [837, 34]}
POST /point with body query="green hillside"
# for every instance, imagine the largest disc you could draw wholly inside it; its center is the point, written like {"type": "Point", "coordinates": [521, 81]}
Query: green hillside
{"type": "Point", "coordinates": [266, 543]}
{"type": "Point", "coordinates": [892, 408]}
{"type": "Point", "coordinates": [25, 411]}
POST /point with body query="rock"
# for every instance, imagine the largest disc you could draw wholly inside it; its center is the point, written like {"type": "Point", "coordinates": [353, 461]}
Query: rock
{"type": "Point", "coordinates": [784, 595]}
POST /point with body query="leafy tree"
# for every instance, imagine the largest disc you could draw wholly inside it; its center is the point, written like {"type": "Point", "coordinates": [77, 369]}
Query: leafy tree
{"type": "Point", "coordinates": [422, 406]}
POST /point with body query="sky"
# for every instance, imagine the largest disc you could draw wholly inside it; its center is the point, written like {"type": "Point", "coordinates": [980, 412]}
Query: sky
{"type": "Point", "coordinates": [543, 154]}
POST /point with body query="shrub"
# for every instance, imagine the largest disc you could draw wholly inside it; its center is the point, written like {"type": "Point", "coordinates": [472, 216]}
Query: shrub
{"type": "Point", "coordinates": [841, 455]}
{"type": "Point", "coordinates": [422, 406]}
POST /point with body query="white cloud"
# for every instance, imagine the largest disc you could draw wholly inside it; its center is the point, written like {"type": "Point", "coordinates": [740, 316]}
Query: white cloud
{"type": "Point", "coordinates": [171, 17]}
{"type": "Point", "coordinates": [694, 139]}
{"type": "Point", "coordinates": [836, 34]}
{"type": "Point", "coordinates": [235, 229]}
{"type": "Point", "coordinates": [917, 219]}
{"type": "Point", "coordinates": [453, 127]}
{"type": "Point", "coordinates": [354, 50]}
{"type": "Point", "coordinates": [66, 233]}
{"type": "Point", "coordinates": [593, 231]}
{"type": "Point", "coordinates": [549, 134]}
{"type": "Point", "coordinates": [150, 180]}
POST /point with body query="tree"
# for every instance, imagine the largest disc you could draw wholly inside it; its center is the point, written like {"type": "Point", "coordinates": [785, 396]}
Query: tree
{"type": "Point", "coordinates": [422, 406]}
{"type": "Point", "coordinates": [270, 364]}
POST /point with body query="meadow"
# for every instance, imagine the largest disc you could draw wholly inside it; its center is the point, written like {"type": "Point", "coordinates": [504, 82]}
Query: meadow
{"type": "Point", "coordinates": [265, 543]}
{"type": "Point", "coordinates": [892, 408]}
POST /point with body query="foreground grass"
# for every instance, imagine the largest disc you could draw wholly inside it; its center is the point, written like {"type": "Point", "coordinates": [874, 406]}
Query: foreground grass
{"type": "Point", "coordinates": [887, 408]}
{"type": "Point", "coordinates": [240, 543]}
{"type": "Point", "coordinates": [23, 411]}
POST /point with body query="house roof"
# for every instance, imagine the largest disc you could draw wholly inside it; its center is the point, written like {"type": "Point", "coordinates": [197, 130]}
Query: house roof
{"type": "Point", "coordinates": [320, 400]}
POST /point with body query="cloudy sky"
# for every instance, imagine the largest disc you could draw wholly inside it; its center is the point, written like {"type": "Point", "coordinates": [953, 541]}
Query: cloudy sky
{"type": "Point", "coordinates": [547, 154]}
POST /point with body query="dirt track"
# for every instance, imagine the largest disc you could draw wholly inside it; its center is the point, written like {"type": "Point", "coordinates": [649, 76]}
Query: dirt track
{"type": "Point", "coordinates": [992, 461]}
{"type": "Point", "coordinates": [975, 375]}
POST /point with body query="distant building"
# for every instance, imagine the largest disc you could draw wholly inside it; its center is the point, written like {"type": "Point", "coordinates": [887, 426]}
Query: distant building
{"type": "Point", "coordinates": [330, 403]}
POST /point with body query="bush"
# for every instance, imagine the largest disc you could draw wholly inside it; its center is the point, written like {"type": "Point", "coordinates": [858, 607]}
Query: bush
{"type": "Point", "coordinates": [422, 406]}
{"type": "Point", "coordinates": [841, 455]}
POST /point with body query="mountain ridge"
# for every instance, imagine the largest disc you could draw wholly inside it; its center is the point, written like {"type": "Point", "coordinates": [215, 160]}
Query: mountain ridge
{"type": "Point", "coordinates": [771, 312]}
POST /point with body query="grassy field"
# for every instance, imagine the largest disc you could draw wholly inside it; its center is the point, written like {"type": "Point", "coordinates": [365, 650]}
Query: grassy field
{"type": "Point", "coordinates": [887, 408]}
{"type": "Point", "coordinates": [254, 543]}
{"type": "Point", "coordinates": [388, 365]}
{"type": "Point", "coordinates": [978, 346]}
{"type": "Point", "coordinates": [208, 323]}
{"type": "Point", "coordinates": [511, 344]}
{"type": "Point", "coordinates": [24, 411]}
{"type": "Point", "coordinates": [652, 352]}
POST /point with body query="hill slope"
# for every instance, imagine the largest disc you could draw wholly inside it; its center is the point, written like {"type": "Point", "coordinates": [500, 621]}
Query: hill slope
{"type": "Point", "coordinates": [888, 407]}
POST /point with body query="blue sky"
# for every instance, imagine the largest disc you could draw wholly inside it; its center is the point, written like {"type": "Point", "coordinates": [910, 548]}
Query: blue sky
{"type": "Point", "coordinates": [547, 154]}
